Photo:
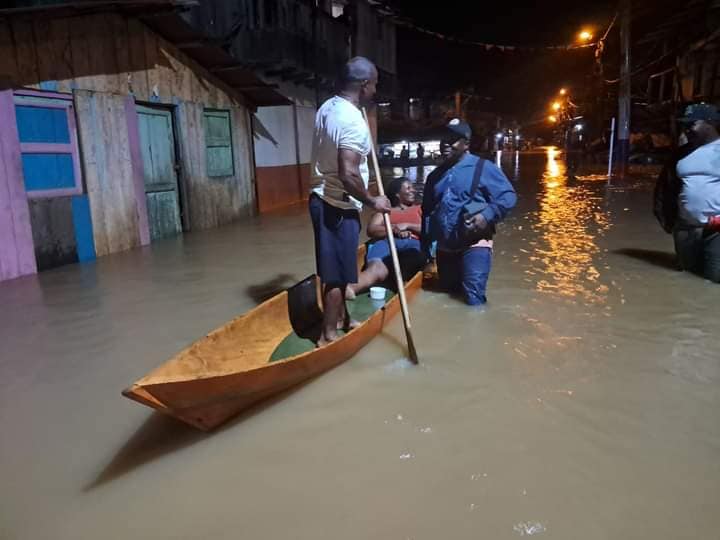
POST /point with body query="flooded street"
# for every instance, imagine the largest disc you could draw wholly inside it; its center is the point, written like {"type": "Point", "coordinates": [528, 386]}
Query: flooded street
{"type": "Point", "coordinates": [582, 402]}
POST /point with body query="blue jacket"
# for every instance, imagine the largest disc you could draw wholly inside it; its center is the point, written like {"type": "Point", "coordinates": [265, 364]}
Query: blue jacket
{"type": "Point", "coordinates": [459, 179]}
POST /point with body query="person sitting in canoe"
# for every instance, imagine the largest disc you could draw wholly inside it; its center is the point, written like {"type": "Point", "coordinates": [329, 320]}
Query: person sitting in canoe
{"type": "Point", "coordinates": [406, 220]}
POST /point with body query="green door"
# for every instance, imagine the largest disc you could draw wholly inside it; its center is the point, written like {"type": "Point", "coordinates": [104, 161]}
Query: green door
{"type": "Point", "coordinates": [161, 185]}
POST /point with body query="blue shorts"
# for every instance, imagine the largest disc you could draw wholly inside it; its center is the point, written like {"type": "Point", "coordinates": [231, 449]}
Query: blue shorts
{"type": "Point", "coordinates": [465, 271]}
{"type": "Point", "coordinates": [380, 249]}
{"type": "Point", "coordinates": [337, 235]}
{"type": "Point", "coordinates": [410, 254]}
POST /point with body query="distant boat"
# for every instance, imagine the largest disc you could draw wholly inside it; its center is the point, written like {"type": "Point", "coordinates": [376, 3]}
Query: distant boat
{"type": "Point", "coordinates": [251, 358]}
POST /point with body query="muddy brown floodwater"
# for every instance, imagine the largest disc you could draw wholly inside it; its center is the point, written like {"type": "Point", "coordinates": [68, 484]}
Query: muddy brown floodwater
{"type": "Point", "coordinates": [582, 402]}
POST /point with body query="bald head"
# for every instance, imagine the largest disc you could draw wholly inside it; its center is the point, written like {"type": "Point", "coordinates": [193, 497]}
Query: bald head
{"type": "Point", "coordinates": [359, 78]}
{"type": "Point", "coordinates": [357, 70]}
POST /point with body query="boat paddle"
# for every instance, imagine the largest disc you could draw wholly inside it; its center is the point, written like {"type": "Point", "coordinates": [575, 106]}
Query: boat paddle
{"type": "Point", "coordinates": [393, 251]}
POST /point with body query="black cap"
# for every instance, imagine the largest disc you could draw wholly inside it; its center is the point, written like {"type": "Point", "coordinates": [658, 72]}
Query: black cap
{"type": "Point", "coordinates": [700, 111]}
{"type": "Point", "coordinates": [459, 128]}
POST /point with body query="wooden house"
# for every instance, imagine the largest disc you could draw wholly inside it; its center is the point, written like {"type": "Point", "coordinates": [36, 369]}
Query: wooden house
{"type": "Point", "coordinates": [115, 133]}
{"type": "Point", "coordinates": [687, 69]}
{"type": "Point", "coordinates": [123, 122]}
{"type": "Point", "coordinates": [298, 45]}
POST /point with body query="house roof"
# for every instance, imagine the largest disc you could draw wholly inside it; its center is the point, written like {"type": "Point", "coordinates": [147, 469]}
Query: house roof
{"type": "Point", "coordinates": [165, 18]}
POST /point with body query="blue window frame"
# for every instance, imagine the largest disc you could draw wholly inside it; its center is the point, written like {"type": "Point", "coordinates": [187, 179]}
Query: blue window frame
{"type": "Point", "coordinates": [48, 146]}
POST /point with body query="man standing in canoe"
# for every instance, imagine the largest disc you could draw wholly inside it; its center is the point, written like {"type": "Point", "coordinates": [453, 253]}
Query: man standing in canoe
{"type": "Point", "coordinates": [339, 182]}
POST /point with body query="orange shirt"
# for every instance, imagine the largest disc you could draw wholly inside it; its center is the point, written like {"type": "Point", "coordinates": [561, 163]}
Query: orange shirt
{"type": "Point", "coordinates": [412, 214]}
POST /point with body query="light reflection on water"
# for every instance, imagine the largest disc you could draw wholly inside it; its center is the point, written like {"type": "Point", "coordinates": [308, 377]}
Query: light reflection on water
{"type": "Point", "coordinates": [535, 415]}
{"type": "Point", "coordinates": [563, 253]}
{"type": "Point", "coordinates": [570, 220]}
{"type": "Point", "coordinates": [414, 174]}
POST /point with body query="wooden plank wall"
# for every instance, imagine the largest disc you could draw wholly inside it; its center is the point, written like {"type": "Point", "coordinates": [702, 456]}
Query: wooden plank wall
{"type": "Point", "coordinates": [16, 243]}
{"type": "Point", "coordinates": [108, 170]}
{"type": "Point", "coordinates": [369, 43]}
{"type": "Point", "coordinates": [138, 173]}
{"type": "Point", "coordinates": [211, 202]}
{"type": "Point", "coordinates": [104, 58]}
{"type": "Point", "coordinates": [105, 53]}
{"type": "Point", "coordinates": [53, 232]}
{"type": "Point", "coordinates": [244, 161]}
{"type": "Point", "coordinates": [8, 63]}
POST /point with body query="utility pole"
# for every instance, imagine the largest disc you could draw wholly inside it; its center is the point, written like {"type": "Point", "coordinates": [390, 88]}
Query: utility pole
{"type": "Point", "coordinates": [624, 103]}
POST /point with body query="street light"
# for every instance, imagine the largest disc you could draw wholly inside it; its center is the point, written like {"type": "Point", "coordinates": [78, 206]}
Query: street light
{"type": "Point", "coordinates": [585, 35]}
{"type": "Point", "coordinates": [552, 118]}
{"type": "Point", "coordinates": [563, 91]}
{"type": "Point", "coordinates": [556, 106]}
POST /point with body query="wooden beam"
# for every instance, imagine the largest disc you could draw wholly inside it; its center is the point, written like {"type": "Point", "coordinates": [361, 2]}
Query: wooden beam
{"type": "Point", "coordinates": [280, 72]}
{"type": "Point", "coordinates": [100, 4]}
{"type": "Point", "coordinates": [309, 78]}
{"type": "Point", "coordinates": [298, 77]}
{"type": "Point", "coordinates": [198, 43]}
{"type": "Point", "coordinates": [225, 69]}
{"type": "Point", "coordinates": [258, 64]}
{"type": "Point", "coordinates": [17, 255]}
{"type": "Point", "coordinates": [310, 83]}
{"type": "Point", "coordinates": [255, 87]}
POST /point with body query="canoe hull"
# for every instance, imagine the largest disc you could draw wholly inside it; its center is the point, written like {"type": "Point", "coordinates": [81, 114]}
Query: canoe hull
{"type": "Point", "coordinates": [208, 401]}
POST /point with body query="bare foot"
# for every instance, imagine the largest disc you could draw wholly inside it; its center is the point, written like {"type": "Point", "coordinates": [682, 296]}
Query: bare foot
{"type": "Point", "coordinates": [325, 340]}
{"type": "Point", "coordinates": [349, 324]}
{"type": "Point", "coordinates": [349, 293]}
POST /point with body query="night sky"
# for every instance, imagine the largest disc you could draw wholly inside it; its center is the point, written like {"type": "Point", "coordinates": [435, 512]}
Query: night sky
{"type": "Point", "coordinates": [516, 83]}
{"type": "Point", "coordinates": [520, 22]}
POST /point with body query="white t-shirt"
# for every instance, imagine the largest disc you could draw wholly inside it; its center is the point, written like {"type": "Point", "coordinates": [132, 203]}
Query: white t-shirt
{"type": "Point", "coordinates": [338, 124]}
{"type": "Point", "coordinates": [700, 175]}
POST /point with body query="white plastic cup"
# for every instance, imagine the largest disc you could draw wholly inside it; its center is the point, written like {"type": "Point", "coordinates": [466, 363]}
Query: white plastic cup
{"type": "Point", "coordinates": [377, 293]}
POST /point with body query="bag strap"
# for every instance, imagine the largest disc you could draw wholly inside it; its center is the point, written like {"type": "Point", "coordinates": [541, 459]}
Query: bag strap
{"type": "Point", "coordinates": [476, 181]}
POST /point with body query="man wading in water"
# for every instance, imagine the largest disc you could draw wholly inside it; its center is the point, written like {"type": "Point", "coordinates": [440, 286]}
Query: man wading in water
{"type": "Point", "coordinates": [339, 182]}
{"type": "Point", "coordinates": [465, 197]}
{"type": "Point", "coordinates": [687, 195]}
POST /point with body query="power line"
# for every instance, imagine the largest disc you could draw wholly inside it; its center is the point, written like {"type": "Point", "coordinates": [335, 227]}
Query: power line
{"type": "Point", "coordinates": [407, 22]}
{"type": "Point", "coordinates": [492, 46]}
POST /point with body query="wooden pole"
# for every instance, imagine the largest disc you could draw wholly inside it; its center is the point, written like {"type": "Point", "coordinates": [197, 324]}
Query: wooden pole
{"type": "Point", "coordinates": [393, 251]}
{"type": "Point", "coordinates": [612, 145]}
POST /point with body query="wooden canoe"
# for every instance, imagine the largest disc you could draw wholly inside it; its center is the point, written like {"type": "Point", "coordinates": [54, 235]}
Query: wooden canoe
{"type": "Point", "coordinates": [231, 369]}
